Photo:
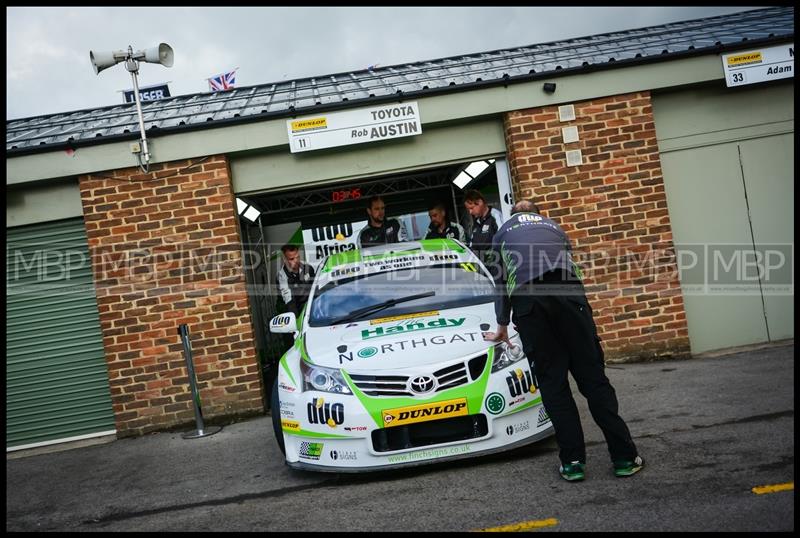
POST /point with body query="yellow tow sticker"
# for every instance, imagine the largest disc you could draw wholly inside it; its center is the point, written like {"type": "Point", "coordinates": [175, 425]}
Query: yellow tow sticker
{"type": "Point", "coordinates": [404, 316]}
{"type": "Point", "coordinates": [469, 267]}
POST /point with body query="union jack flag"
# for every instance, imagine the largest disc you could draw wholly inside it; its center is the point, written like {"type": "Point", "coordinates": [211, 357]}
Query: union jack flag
{"type": "Point", "coordinates": [222, 82]}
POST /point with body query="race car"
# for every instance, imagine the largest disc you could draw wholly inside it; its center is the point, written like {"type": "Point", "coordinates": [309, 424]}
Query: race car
{"type": "Point", "coordinates": [389, 367]}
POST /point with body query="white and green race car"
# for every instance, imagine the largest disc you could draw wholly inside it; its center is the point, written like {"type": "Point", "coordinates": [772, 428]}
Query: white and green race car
{"type": "Point", "coordinates": [390, 369]}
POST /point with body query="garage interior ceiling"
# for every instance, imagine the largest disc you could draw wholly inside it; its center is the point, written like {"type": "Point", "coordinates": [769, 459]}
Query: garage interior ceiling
{"type": "Point", "coordinates": [313, 206]}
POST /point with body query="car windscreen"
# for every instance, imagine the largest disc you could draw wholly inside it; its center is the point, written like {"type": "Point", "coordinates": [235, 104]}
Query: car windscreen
{"type": "Point", "coordinates": [454, 286]}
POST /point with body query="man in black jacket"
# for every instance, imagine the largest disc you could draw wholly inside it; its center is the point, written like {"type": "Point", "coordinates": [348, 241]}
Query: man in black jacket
{"type": "Point", "coordinates": [441, 227]}
{"type": "Point", "coordinates": [538, 279]}
{"type": "Point", "coordinates": [380, 230]}
{"type": "Point", "coordinates": [486, 221]}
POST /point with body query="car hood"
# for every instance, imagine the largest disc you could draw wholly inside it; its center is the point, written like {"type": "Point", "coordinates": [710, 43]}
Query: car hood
{"type": "Point", "coordinates": [402, 341]}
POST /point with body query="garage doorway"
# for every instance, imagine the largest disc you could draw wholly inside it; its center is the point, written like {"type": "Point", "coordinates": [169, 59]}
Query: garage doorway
{"type": "Point", "coordinates": [323, 220]}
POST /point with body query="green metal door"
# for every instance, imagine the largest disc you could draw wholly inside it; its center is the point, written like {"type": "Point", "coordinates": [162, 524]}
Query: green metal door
{"type": "Point", "coordinates": [768, 169]}
{"type": "Point", "coordinates": [728, 161]}
{"type": "Point", "coordinates": [56, 377]}
{"type": "Point", "coordinates": [708, 212]}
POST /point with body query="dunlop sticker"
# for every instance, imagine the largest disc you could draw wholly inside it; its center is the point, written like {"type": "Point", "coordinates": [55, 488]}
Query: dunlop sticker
{"type": "Point", "coordinates": [745, 59]}
{"type": "Point", "coordinates": [291, 425]}
{"type": "Point", "coordinates": [406, 316]}
{"type": "Point", "coordinates": [309, 125]}
{"type": "Point", "coordinates": [422, 413]}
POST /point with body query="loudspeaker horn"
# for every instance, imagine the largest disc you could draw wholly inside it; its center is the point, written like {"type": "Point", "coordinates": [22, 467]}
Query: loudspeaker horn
{"type": "Point", "coordinates": [162, 54]}
{"type": "Point", "coordinates": [105, 59]}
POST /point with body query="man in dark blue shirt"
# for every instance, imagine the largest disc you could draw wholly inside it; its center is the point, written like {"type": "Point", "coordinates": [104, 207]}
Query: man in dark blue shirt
{"type": "Point", "coordinates": [539, 279]}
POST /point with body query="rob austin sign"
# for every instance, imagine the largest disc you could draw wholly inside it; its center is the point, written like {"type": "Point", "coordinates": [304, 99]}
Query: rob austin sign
{"type": "Point", "coordinates": [357, 126]}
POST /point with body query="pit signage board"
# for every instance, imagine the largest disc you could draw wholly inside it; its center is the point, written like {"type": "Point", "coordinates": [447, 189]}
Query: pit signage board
{"type": "Point", "coordinates": [322, 241]}
{"type": "Point", "coordinates": [758, 65]}
{"type": "Point", "coordinates": [149, 93]}
{"type": "Point", "coordinates": [383, 122]}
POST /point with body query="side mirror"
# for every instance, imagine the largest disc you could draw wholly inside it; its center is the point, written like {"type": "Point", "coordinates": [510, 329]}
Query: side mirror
{"type": "Point", "coordinates": [283, 323]}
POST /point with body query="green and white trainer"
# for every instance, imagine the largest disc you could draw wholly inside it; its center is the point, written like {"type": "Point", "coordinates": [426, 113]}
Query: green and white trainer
{"type": "Point", "coordinates": [572, 471]}
{"type": "Point", "coordinates": [628, 467]}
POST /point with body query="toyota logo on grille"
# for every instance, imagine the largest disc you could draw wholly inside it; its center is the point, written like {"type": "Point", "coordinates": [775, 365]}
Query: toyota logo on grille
{"type": "Point", "coordinates": [422, 384]}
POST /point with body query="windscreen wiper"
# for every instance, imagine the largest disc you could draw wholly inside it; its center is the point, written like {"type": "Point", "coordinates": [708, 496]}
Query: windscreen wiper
{"type": "Point", "coordinates": [355, 314]}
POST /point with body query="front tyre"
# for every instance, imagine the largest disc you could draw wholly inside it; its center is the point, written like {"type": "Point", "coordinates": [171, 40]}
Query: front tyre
{"type": "Point", "coordinates": [275, 408]}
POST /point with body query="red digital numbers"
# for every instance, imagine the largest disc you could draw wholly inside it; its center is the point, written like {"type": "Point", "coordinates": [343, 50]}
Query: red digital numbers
{"type": "Point", "coordinates": [344, 195]}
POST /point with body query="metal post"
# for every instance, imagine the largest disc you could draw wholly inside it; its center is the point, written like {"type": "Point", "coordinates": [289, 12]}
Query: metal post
{"type": "Point", "coordinates": [456, 208]}
{"type": "Point", "coordinates": [133, 67]}
{"type": "Point", "coordinates": [201, 431]}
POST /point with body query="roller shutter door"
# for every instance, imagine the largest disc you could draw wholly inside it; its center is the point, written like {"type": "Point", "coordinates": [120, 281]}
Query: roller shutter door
{"type": "Point", "coordinates": [57, 385]}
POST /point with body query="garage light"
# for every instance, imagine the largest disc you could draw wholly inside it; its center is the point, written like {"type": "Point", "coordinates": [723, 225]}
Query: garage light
{"type": "Point", "coordinates": [475, 169]}
{"type": "Point", "coordinates": [471, 172]}
{"type": "Point", "coordinates": [252, 214]}
{"type": "Point", "coordinates": [462, 180]}
{"type": "Point", "coordinates": [241, 205]}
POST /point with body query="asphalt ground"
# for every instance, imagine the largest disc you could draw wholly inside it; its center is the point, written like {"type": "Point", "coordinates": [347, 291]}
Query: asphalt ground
{"type": "Point", "coordinates": [710, 429]}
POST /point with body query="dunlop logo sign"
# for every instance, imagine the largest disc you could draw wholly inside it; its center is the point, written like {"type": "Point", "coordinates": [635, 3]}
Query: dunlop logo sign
{"type": "Point", "coordinates": [309, 125]}
{"type": "Point", "coordinates": [745, 59]}
{"type": "Point", "coordinates": [422, 413]}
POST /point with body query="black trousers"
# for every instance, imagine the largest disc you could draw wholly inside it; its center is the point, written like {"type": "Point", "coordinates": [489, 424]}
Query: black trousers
{"type": "Point", "coordinates": [559, 335]}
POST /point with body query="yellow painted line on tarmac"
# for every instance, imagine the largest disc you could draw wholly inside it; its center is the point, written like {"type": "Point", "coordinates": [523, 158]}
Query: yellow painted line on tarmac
{"type": "Point", "coordinates": [761, 490]}
{"type": "Point", "coordinates": [524, 526]}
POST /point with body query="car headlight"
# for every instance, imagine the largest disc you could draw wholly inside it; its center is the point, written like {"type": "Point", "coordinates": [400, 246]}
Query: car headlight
{"type": "Point", "coordinates": [505, 355]}
{"type": "Point", "coordinates": [323, 379]}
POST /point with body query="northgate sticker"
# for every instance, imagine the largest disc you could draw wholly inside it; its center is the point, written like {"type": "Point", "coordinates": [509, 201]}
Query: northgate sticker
{"type": "Point", "coordinates": [404, 345]}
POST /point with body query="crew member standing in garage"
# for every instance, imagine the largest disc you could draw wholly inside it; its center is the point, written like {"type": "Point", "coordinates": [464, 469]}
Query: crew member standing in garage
{"type": "Point", "coordinates": [380, 230]}
{"type": "Point", "coordinates": [294, 279]}
{"type": "Point", "coordinates": [538, 279]}
{"type": "Point", "coordinates": [486, 220]}
{"type": "Point", "coordinates": [441, 227]}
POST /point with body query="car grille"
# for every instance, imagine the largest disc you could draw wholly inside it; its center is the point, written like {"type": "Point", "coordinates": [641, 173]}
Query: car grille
{"type": "Point", "coordinates": [434, 432]}
{"type": "Point", "coordinates": [448, 377]}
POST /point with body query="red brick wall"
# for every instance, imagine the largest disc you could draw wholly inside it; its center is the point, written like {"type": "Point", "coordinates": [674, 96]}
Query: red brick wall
{"type": "Point", "coordinates": [614, 209]}
{"type": "Point", "coordinates": [165, 251]}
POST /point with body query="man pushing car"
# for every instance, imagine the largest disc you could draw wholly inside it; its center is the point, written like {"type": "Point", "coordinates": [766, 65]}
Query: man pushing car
{"type": "Point", "coordinates": [537, 277]}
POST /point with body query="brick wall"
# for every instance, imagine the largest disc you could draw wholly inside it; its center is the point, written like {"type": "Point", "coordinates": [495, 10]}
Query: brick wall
{"type": "Point", "coordinates": [614, 209]}
{"type": "Point", "coordinates": [165, 251]}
